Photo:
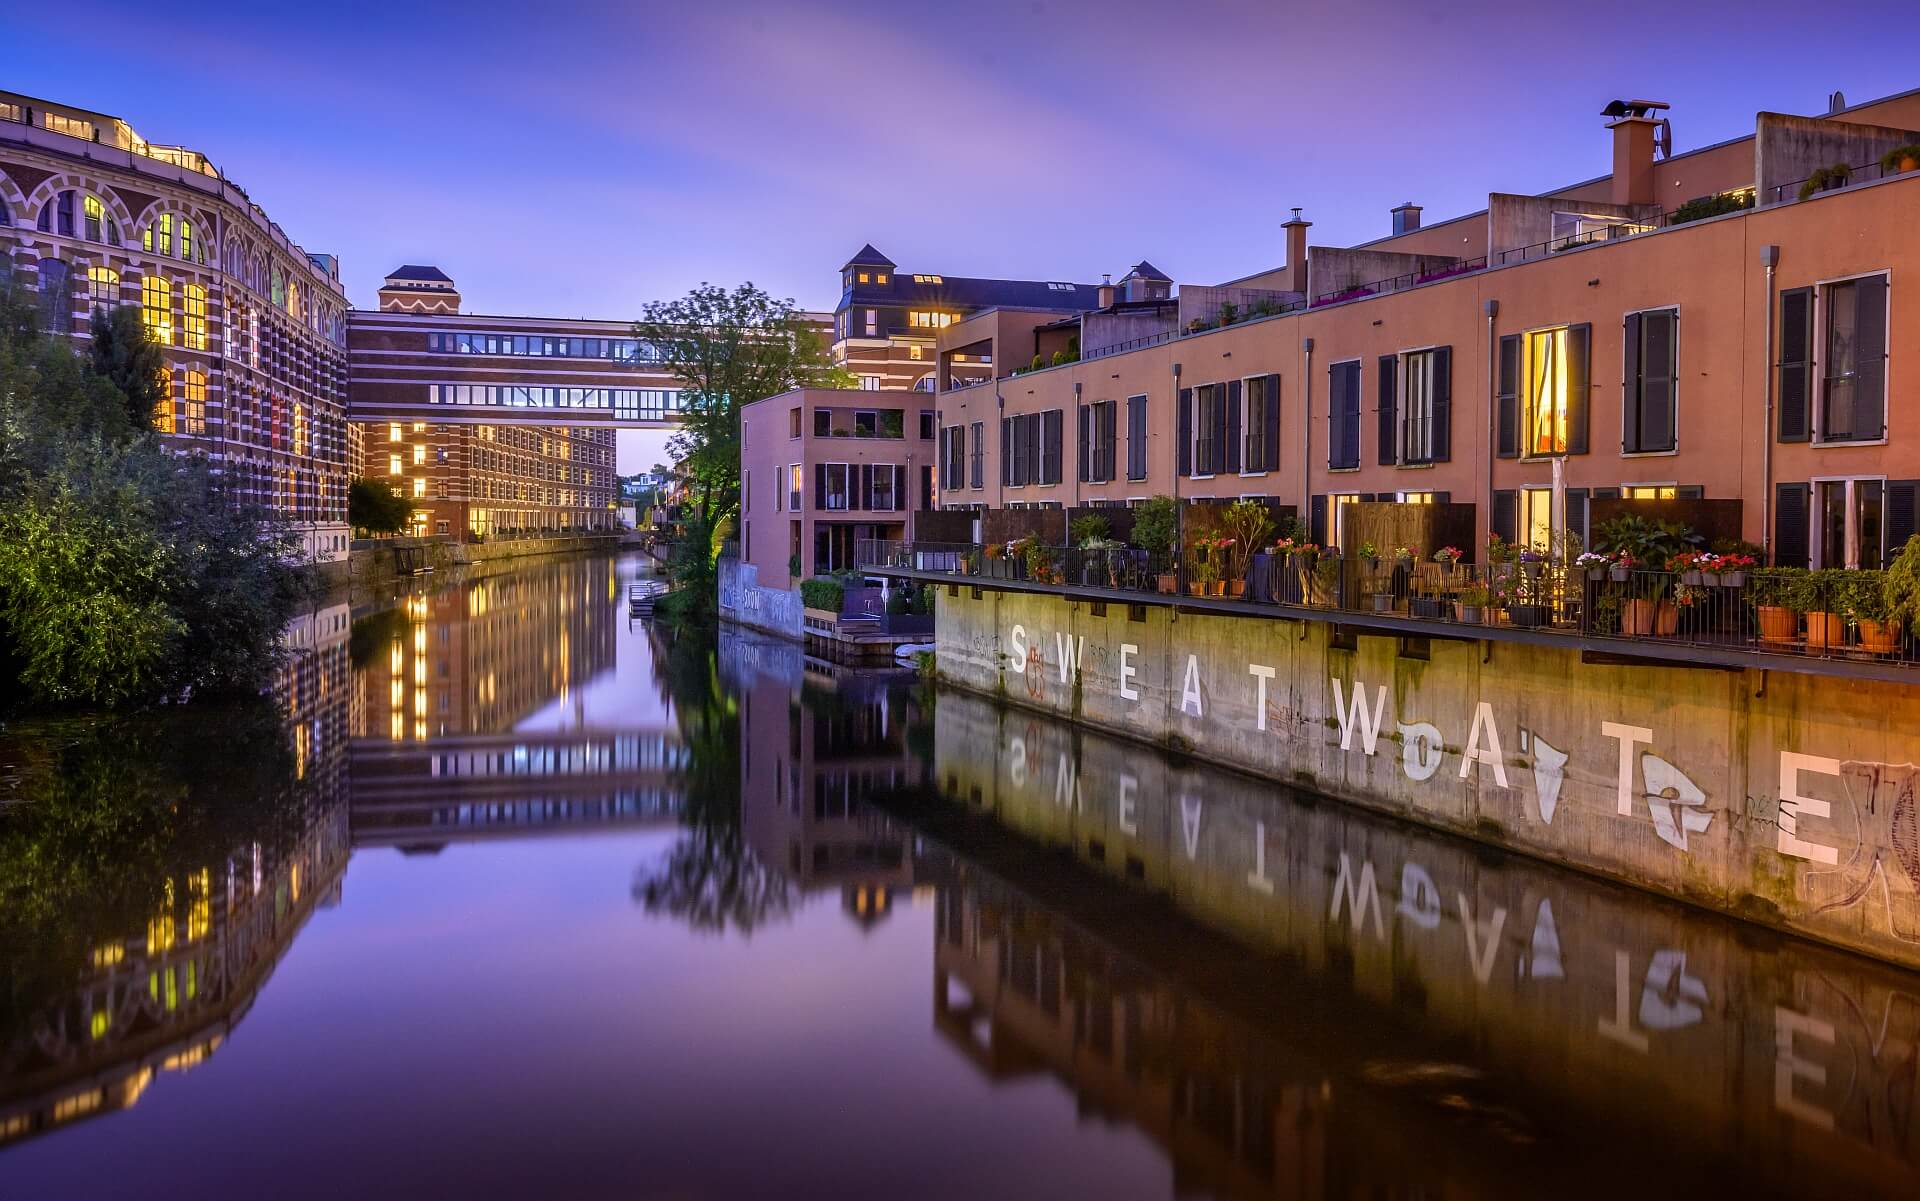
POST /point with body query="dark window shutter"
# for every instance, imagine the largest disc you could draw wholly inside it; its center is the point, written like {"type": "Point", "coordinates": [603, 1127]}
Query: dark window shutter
{"type": "Point", "coordinates": [1790, 502]}
{"type": "Point", "coordinates": [1442, 441]}
{"type": "Point", "coordinates": [1901, 495]}
{"type": "Point", "coordinates": [1507, 399]}
{"type": "Point", "coordinates": [1661, 369]}
{"type": "Point", "coordinates": [1388, 433]}
{"type": "Point", "coordinates": [900, 486]}
{"type": "Point", "coordinates": [1317, 520]}
{"type": "Point", "coordinates": [1186, 431]}
{"type": "Point", "coordinates": [1870, 358]}
{"type": "Point", "coordinates": [1631, 389]}
{"type": "Point", "coordinates": [859, 485]}
{"type": "Point", "coordinates": [819, 485]}
{"type": "Point", "coordinates": [1273, 424]}
{"type": "Point", "coordinates": [1504, 518]}
{"type": "Point", "coordinates": [1082, 465]}
{"type": "Point", "coordinates": [1217, 458]}
{"type": "Point", "coordinates": [1233, 426]}
{"type": "Point", "coordinates": [1606, 494]}
{"type": "Point", "coordinates": [1579, 374]}
{"type": "Point", "coordinates": [1006, 451]}
{"type": "Point", "coordinates": [1053, 434]}
{"type": "Point", "coordinates": [1690, 492]}
{"type": "Point", "coordinates": [1443, 498]}
{"type": "Point", "coordinates": [1577, 513]}
{"type": "Point", "coordinates": [1796, 354]}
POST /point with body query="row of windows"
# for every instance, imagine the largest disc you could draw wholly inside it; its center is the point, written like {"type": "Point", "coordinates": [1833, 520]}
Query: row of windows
{"type": "Point", "coordinates": [619, 350]}
{"type": "Point", "coordinates": [625, 402]}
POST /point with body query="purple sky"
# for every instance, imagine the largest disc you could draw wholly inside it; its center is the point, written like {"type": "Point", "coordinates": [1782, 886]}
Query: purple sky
{"type": "Point", "coordinates": [580, 159]}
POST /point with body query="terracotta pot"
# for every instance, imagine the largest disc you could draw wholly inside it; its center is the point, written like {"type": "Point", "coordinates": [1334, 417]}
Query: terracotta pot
{"type": "Point", "coordinates": [1236, 588]}
{"type": "Point", "coordinates": [1219, 588]}
{"type": "Point", "coordinates": [1196, 588]}
{"type": "Point", "coordinates": [1666, 620]}
{"type": "Point", "coordinates": [1825, 631]}
{"type": "Point", "coordinates": [1166, 584]}
{"type": "Point", "coordinates": [1909, 163]}
{"type": "Point", "coordinates": [1778, 624]}
{"type": "Point", "coordinates": [1637, 618]}
{"type": "Point", "coordinates": [1879, 637]}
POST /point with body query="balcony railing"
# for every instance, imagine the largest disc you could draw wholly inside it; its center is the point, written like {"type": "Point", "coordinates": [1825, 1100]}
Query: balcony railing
{"type": "Point", "coordinates": [1400, 283]}
{"type": "Point", "coordinates": [1751, 612]}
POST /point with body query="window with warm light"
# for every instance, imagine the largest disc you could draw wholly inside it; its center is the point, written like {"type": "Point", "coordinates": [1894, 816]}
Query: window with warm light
{"type": "Point", "coordinates": [98, 222]}
{"type": "Point", "coordinates": [104, 283]}
{"type": "Point", "coordinates": [393, 465]}
{"type": "Point", "coordinates": [419, 486]}
{"type": "Point", "coordinates": [193, 403]}
{"type": "Point", "coordinates": [193, 317]}
{"type": "Point", "coordinates": [419, 453]}
{"type": "Point", "coordinates": [1552, 397]}
{"type": "Point", "coordinates": [929, 319]}
{"type": "Point", "coordinates": [156, 308]}
{"type": "Point", "coordinates": [393, 431]}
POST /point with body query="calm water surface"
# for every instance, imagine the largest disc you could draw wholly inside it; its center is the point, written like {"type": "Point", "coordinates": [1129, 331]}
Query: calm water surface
{"type": "Point", "coordinates": [504, 896]}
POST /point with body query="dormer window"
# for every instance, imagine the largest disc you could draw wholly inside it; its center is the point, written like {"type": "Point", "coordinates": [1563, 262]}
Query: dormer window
{"type": "Point", "coordinates": [928, 279]}
{"type": "Point", "coordinates": [866, 277]}
{"type": "Point", "coordinates": [880, 278]}
{"type": "Point", "coordinates": [1053, 287]}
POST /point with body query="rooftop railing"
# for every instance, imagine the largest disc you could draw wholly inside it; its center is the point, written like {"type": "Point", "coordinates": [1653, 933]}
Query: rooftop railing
{"type": "Point", "coordinates": [1830, 617]}
{"type": "Point", "coordinates": [1400, 283]}
{"type": "Point", "coordinates": [1140, 343]}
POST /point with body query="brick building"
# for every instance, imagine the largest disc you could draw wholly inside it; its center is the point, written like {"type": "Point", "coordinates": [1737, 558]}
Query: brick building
{"type": "Point", "coordinates": [253, 326]}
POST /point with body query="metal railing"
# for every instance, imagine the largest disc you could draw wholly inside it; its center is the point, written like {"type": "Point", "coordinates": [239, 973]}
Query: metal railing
{"type": "Point", "coordinates": [1401, 282]}
{"type": "Point", "coordinates": [1827, 615]}
{"type": "Point", "coordinates": [1140, 343]}
{"type": "Point", "coordinates": [1789, 192]}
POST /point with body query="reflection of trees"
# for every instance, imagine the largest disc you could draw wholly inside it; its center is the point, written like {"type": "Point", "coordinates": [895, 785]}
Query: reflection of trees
{"type": "Point", "coordinates": [104, 815]}
{"type": "Point", "coordinates": [709, 878]}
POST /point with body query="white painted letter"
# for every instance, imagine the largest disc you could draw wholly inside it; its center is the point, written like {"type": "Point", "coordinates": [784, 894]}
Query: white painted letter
{"type": "Point", "coordinates": [1357, 715]}
{"type": "Point", "coordinates": [1261, 673]}
{"type": "Point", "coordinates": [1793, 806]}
{"type": "Point", "coordinates": [1127, 671]}
{"type": "Point", "coordinates": [1071, 654]}
{"type": "Point", "coordinates": [1490, 754]}
{"type": "Point", "coordinates": [1017, 636]}
{"type": "Point", "coordinates": [1420, 752]}
{"type": "Point", "coordinates": [1190, 689]}
{"type": "Point", "coordinates": [1623, 777]}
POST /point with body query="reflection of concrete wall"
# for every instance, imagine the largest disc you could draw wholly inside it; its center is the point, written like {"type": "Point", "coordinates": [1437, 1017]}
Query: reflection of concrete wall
{"type": "Point", "coordinates": [743, 599]}
{"type": "Point", "coordinates": [1789, 799]}
{"type": "Point", "coordinates": [1619, 1013]}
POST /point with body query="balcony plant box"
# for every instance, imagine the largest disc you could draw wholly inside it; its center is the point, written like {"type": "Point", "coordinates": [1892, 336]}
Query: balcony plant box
{"type": "Point", "coordinates": [1529, 616]}
{"type": "Point", "coordinates": [1471, 606]}
{"type": "Point", "coordinates": [1771, 593]}
{"type": "Point", "coordinates": [1821, 597]}
{"type": "Point", "coordinates": [1427, 606]}
{"type": "Point", "coordinates": [1383, 602]}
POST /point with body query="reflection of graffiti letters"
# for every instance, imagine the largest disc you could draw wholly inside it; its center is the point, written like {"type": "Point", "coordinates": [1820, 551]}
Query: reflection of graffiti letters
{"type": "Point", "coordinates": [1671, 999]}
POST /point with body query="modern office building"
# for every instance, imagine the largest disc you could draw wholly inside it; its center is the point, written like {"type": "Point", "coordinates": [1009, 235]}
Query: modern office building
{"type": "Point", "coordinates": [253, 326]}
{"type": "Point", "coordinates": [886, 323]}
{"type": "Point", "coordinates": [1723, 322]}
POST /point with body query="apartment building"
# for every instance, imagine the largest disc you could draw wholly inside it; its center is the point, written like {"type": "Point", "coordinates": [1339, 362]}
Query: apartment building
{"type": "Point", "coordinates": [253, 326]}
{"type": "Point", "coordinates": [886, 323]}
{"type": "Point", "coordinates": [1720, 323]}
{"type": "Point", "coordinates": [824, 468]}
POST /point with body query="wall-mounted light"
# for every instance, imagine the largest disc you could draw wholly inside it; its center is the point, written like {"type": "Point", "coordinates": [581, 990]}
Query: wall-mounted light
{"type": "Point", "coordinates": [1376, 321]}
{"type": "Point", "coordinates": [1593, 283]}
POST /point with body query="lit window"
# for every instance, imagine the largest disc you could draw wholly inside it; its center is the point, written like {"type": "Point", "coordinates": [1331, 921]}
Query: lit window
{"type": "Point", "coordinates": [1547, 391]}
{"type": "Point", "coordinates": [880, 278]}
{"type": "Point", "coordinates": [193, 317]}
{"type": "Point", "coordinates": [865, 277]}
{"type": "Point", "coordinates": [393, 464]}
{"type": "Point", "coordinates": [104, 282]}
{"type": "Point", "coordinates": [419, 453]}
{"type": "Point", "coordinates": [419, 486]}
{"type": "Point", "coordinates": [393, 431]}
{"type": "Point", "coordinates": [186, 239]}
{"type": "Point", "coordinates": [156, 308]}
{"type": "Point", "coordinates": [99, 226]}
{"type": "Point", "coordinates": [927, 279]}
{"type": "Point", "coordinates": [163, 415]}
{"type": "Point", "coordinates": [300, 430]}
{"type": "Point", "coordinates": [193, 403]}
{"type": "Point", "coordinates": [1648, 492]}
{"type": "Point", "coordinates": [73, 127]}
{"type": "Point", "coordinates": [920, 319]}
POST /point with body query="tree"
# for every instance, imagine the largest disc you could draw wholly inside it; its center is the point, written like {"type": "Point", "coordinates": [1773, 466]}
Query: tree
{"type": "Point", "coordinates": [125, 357]}
{"type": "Point", "coordinates": [372, 506]}
{"type": "Point", "coordinates": [729, 349]}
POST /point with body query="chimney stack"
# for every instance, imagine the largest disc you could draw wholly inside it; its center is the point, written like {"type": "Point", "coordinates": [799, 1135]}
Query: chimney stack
{"type": "Point", "coordinates": [1636, 131]}
{"type": "Point", "coordinates": [1106, 290]}
{"type": "Point", "coordinates": [1406, 218]}
{"type": "Point", "coordinates": [1297, 252]}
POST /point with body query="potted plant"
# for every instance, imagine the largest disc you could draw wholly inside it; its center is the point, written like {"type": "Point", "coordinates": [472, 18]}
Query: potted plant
{"type": "Point", "coordinates": [1525, 597]}
{"type": "Point", "coordinates": [1471, 605]}
{"type": "Point", "coordinates": [1153, 532]}
{"type": "Point", "coordinates": [1326, 579]}
{"type": "Point", "coordinates": [1900, 586]}
{"type": "Point", "coordinates": [1204, 569]}
{"type": "Point", "coordinates": [1249, 523]}
{"type": "Point", "coordinates": [1043, 566]}
{"type": "Point", "coordinates": [1825, 178]}
{"type": "Point", "coordinates": [1089, 533]}
{"type": "Point", "coordinates": [1772, 592]}
{"type": "Point", "coordinates": [1729, 570]}
{"type": "Point", "coordinates": [1901, 159]}
{"type": "Point", "coordinates": [1867, 606]}
{"type": "Point", "coordinates": [1816, 596]}
{"type": "Point", "coordinates": [1595, 563]}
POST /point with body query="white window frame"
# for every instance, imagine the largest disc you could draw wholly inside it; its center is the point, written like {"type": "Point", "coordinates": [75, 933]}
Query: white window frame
{"type": "Point", "coordinates": [892, 470]}
{"type": "Point", "coordinates": [1817, 366]}
{"type": "Point", "coordinates": [1246, 427]}
{"type": "Point", "coordinates": [1816, 528]}
{"type": "Point", "coordinates": [1402, 378]}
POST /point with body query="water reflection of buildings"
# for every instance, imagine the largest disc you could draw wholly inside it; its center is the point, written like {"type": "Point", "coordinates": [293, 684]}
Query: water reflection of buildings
{"type": "Point", "coordinates": [816, 746]}
{"type": "Point", "coordinates": [478, 656]}
{"type": "Point", "coordinates": [1368, 1010]}
{"type": "Point", "coordinates": [164, 995]}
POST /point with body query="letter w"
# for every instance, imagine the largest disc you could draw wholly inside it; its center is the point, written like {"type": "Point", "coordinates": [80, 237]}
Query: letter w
{"type": "Point", "coordinates": [1071, 654]}
{"type": "Point", "coordinates": [1356, 715]}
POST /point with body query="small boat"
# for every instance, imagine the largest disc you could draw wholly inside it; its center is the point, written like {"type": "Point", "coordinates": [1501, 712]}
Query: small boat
{"type": "Point", "coordinates": [641, 596]}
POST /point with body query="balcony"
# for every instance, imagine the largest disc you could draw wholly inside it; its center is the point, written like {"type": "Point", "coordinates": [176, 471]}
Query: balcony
{"type": "Point", "coordinates": [1822, 622]}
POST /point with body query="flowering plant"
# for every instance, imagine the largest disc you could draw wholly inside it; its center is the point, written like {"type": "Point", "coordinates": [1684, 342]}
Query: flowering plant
{"type": "Point", "coordinates": [1369, 551]}
{"type": "Point", "coordinates": [1283, 546]}
{"type": "Point", "coordinates": [1688, 595]}
{"type": "Point", "coordinates": [1726, 564]}
{"type": "Point", "coordinates": [1406, 554]}
{"type": "Point", "coordinates": [1449, 554]}
{"type": "Point", "coordinates": [1303, 548]}
{"type": "Point", "coordinates": [1499, 550]}
{"type": "Point", "coordinates": [1530, 555]}
{"type": "Point", "coordinates": [1592, 558]}
{"type": "Point", "coordinates": [995, 550]}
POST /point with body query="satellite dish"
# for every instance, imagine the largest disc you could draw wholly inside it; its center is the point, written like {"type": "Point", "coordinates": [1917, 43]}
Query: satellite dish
{"type": "Point", "coordinates": [1836, 101]}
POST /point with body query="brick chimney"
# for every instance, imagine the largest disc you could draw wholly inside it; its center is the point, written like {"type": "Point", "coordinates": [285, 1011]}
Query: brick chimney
{"type": "Point", "coordinates": [1105, 293]}
{"type": "Point", "coordinates": [1406, 218]}
{"type": "Point", "coordinates": [1297, 251]}
{"type": "Point", "coordinates": [1636, 126]}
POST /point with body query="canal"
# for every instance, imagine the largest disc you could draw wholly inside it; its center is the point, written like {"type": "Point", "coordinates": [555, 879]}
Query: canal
{"type": "Point", "coordinates": [500, 894]}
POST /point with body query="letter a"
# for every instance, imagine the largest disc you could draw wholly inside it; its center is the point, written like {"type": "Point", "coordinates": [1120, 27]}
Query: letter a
{"type": "Point", "coordinates": [1490, 753]}
{"type": "Point", "coordinates": [1190, 688]}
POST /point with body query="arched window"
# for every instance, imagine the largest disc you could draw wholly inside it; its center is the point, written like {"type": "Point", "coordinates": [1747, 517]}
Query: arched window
{"type": "Point", "coordinates": [193, 403]}
{"type": "Point", "coordinates": [186, 239]}
{"type": "Point", "coordinates": [156, 308]}
{"type": "Point", "coordinates": [56, 215]}
{"type": "Point", "coordinates": [163, 421]}
{"type": "Point", "coordinates": [56, 296]}
{"type": "Point", "coordinates": [193, 317]}
{"type": "Point", "coordinates": [6, 218]}
{"type": "Point", "coordinates": [157, 237]}
{"type": "Point", "coordinates": [104, 284]}
{"type": "Point", "coordinates": [293, 299]}
{"type": "Point", "coordinates": [98, 221]}
{"type": "Point", "coordinates": [279, 289]}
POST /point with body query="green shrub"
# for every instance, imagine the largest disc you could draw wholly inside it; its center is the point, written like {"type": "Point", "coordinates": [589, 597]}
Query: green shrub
{"type": "Point", "coordinates": [1093, 527]}
{"type": "Point", "coordinates": [1153, 524]}
{"type": "Point", "coordinates": [819, 593]}
{"type": "Point", "coordinates": [1890, 161]}
{"type": "Point", "coordinates": [1702, 207]}
{"type": "Point", "coordinates": [1900, 584]}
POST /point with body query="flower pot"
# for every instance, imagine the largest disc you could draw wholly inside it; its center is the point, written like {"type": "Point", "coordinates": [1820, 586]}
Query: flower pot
{"type": "Point", "coordinates": [1167, 584]}
{"type": "Point", "coordinates": [1596, 574]}
{"type": "Point", "coordinates": [1472, 615]}
{"type": "Point", "coordinates": [1619, 574]}
{"type": "Point", "coordinates": [1236, 588]}
{"type": "Point", "coordinates": [1778, 624]}
{"type": "Point", "coordinates": [1637, 618]}
{"type": "Point", "coordinates": [1733, 579]}
{"type": "Point", "coordinates": [1909, 163]}
{"type": "Point", "coordinates": [1825, 632]}
{"type": "Point", "coordinates": [1692, 577]}
{"type": "Point", "coordinates": [1383, 602]}
{"type": "Point", "coordinates": [1529, 616]}
{"type": "Point", "coordinates": [1879, 637]}
{"type": "Point", "coordinates": [1427, 606]}
{"type": "Point", "coordinates": [1196, 588]}
{"type": "Point", "coordinates": [1666, 619]}
{"type": "Point", "coordinates": [1218, 588]}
